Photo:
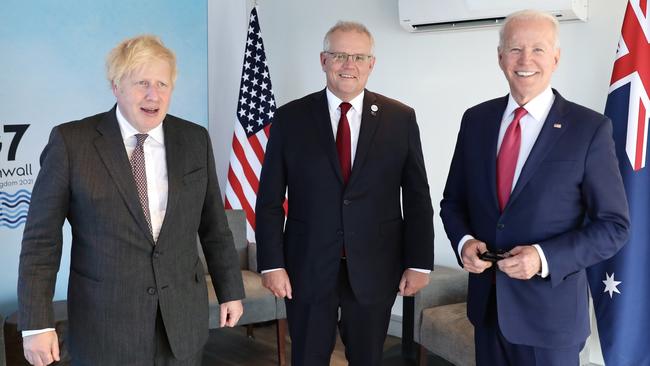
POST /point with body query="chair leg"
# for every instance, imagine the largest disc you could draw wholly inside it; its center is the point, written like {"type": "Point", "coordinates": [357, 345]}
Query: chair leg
{"type": "Point", "coordinates": [249, 331]}
{"type": "Point", "coordinates": [423, 359]}
{"type": "Point", "coordinates": [281, 327]}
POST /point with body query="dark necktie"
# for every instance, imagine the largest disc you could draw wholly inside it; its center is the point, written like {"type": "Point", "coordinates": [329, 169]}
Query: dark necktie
{"type": "Point", "coordinates": [507, 158]}
{"type": "Point", "coordinates": [140, 175]}
{"type": "Point", "coordinates": [343, 144]}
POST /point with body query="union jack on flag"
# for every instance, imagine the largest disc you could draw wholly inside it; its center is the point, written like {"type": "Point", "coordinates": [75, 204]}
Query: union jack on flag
{"type": "Point", "coordinates": [255, 110]}
{"type": "Point", "coordinates": [620, 286]}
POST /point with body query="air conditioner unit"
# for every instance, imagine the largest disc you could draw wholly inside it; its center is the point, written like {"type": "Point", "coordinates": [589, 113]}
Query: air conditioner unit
{"type": "Point", "coordinates": [442, 15]}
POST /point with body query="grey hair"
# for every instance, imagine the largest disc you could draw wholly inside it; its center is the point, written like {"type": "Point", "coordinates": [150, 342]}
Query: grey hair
{"type": "Point", "coordinates": [347, 26]}
{"type": "Point", "coordinates": [529, 14]}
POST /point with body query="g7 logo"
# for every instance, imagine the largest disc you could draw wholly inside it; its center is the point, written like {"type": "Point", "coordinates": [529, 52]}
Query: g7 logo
{"type": "Point", "coordinates": [19, 131]}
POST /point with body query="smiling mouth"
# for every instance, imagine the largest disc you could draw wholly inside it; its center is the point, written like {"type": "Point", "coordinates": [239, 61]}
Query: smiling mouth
{"type": "Point", "coordinates": [347, 76]}
{"type": "Point", "coordinates": [151, 111]}
{"type": "Point", "coordinates": [525, 74]}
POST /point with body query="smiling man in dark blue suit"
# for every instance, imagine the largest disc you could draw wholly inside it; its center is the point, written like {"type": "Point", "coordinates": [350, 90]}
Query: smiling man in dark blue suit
{"type": "Point", "coordinates": [359, 225]}
{"type": "Point", "coordinates": [533, 176]}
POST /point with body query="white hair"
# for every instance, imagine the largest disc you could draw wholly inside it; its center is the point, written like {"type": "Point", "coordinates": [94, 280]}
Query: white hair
{"type": "Point", "coordinates": [529, 14]}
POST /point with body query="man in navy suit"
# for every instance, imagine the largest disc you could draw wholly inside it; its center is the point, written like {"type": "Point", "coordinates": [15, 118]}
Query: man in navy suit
{"type": "Point", "coordinates": [533, 176]}
{"type": "Point", "coordinates": [360, 220]}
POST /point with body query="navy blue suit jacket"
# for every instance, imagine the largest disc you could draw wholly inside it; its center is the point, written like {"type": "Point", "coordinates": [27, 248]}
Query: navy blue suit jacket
{"type": "Point", "coordinates": [569, 199]}
{"type": "Point", "coordinates": [383, 215]}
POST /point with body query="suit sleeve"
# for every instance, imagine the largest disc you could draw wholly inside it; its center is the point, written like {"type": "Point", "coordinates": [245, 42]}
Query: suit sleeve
{"type": "Point", "coordinates": [40, 254]}
{"type": "Point", "coordinates": [607, 225]}
{"type": "Point", "coordinates": [416, 201]}
{"type": "Point", "coordinates": [269, 210]}
{"type": "Point", "coordinates": [454, 205]}
{"type": "Point", "coordinates": [217, 240]}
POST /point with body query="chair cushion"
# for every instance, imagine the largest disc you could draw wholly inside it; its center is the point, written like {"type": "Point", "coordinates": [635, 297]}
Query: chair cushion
{"type": "Point", "coordinates": [259, 305]}
{"type": "Point", "coordinates": [448, 333]}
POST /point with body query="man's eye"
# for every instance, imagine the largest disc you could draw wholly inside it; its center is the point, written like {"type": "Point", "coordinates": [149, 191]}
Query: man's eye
{"type": "Point", "coordinates": [143, 83]}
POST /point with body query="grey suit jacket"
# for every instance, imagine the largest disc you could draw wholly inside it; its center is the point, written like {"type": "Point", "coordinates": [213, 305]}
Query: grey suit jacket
{"type": "Point", "coordinates": [118, 277]}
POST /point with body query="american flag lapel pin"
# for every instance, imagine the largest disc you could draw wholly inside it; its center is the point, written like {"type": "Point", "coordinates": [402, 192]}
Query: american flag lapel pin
{"type": "Point", "coordinates": [374, 109]}
{"type": "Point", "coordinates": [557, 125]}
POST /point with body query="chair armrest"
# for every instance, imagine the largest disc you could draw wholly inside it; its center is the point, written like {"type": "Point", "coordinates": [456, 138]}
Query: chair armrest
{"type": "Point", "coordinates": [251, 252]}
{"type": "Point", "coordinates": [446, 286]}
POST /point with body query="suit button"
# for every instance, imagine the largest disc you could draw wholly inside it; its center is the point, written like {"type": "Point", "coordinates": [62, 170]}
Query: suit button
{"type": "Point", "coordinates": [151, 291]}
{"type": "Point", "coordinates": [156, 254]}
{"type": "Point", "coordinates": [339, 233]}
{"type": "Point", "coordinates": [500, 226]}
{"type": "Point", "coordinates": [347, 202]}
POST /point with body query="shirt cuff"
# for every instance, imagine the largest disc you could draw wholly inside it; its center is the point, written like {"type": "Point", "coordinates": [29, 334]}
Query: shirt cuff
{"type": "Point", "coordinates": [27, 333]}
{"type": "Point", "coordinates": [544, 273]}
{"type": "Point", "coordinates": [271, 270]}
{"type": "Point", "coordinates": [427, 271]}
{"type": "Point", "coordinates": [462, 242]}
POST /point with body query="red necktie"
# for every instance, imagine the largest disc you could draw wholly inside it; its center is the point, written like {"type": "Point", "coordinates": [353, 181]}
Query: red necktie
{"type": "Point", "coordinates": [507, 158]}
{"type": "Point", "coordinates": [343, 144]}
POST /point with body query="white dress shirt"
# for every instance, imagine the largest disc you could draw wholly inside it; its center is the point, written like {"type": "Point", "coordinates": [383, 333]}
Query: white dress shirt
{"type": "Point", "coordinates": [156, 167]}
{"type": "Point", "coordinates": [354, 120]}
{"type": "Point", "coordinates": [531, 125]}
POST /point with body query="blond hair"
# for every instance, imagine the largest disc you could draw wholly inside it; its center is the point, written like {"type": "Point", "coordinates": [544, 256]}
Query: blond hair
{"type": "Point", "coordinates": [134, 52]}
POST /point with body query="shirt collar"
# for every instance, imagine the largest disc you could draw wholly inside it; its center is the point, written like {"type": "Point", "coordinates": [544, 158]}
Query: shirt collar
{"type": "Point", "coordinates": [129, 131]}
{"type": "Point", "coordinates": [537, 107]}
{"type": "Point", "coordinates": [333, 102]}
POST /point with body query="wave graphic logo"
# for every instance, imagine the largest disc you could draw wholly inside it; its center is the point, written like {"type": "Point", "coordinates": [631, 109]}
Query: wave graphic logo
{"type": "Point", "coordinates": [14, 207]}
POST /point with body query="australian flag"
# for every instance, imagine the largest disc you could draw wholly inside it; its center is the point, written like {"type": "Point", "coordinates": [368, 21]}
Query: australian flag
{"type": "Point", "coordinates": [620, 286]}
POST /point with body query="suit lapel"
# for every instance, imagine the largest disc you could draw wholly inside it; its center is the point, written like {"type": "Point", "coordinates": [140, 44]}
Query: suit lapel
{"type": "Point", "coordinates": [547, 138]}
{"type": "Point", "coordinates": [110, 147]}
{"type": "Point", "coordinates": [174, 155]}
{"type": "Point", "coordinates": [370, 117]}
{"type": "Point", "coordinates": [321, 115]}
{"type": "Point", "coordinates": [491, 126]}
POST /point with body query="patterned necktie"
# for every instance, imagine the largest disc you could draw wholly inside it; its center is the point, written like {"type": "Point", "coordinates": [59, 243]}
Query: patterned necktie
{"type": "Point", "coordinates": [343, 144]}
{"type": "Point", "coordinates": [507, 158]}
{"type": "Point", "coordinates": [140, 175]}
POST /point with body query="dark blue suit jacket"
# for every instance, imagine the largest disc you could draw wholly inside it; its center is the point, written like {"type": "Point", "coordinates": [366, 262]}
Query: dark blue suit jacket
{"type": "Point", "coordinates": [383, 215]}
{"type": "Point", "coordinates": [569, 199]}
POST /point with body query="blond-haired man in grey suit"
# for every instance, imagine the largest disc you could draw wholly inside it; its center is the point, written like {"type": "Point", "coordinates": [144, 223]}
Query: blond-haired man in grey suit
{"type": "Point", "coordinates": [136, 185]}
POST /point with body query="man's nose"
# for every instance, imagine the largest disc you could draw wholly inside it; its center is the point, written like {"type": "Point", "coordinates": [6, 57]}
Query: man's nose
{"type": "Point", "coordinates": [349, 61]}
{"type": "Point", "coordinates": [525, 56]}
{"type": "Point", "coordinates": [152, 93]}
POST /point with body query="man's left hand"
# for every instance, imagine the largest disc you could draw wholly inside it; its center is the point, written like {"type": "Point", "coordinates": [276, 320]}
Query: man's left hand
{"type": "Point", "coordinates": [523, 263]}
{"type": "Point", "coordinates": [412, 281]}
{"type": "Point", "coordinates": [231, 311]}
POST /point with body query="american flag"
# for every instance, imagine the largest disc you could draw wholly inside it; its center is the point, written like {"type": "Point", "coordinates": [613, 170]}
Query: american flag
{"type": "Point", "coordinates": [620, 286]}
{"type": "Point", "coordinates": [255, 110]}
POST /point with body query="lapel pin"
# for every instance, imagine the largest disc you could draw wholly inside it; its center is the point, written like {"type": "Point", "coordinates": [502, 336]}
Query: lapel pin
{"type": "Point", "coordinates": [374, 109]}
{"type": "Point", "coordinates": [557, 125]}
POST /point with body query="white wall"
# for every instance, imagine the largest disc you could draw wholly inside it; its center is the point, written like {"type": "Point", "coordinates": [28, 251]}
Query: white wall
{"type": "Point", "coordinates": [439, 74]}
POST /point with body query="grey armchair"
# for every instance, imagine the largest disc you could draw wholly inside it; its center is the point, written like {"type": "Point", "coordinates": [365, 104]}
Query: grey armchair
{"type": "Point", "coordinates": [259, 305]}
{"type": "Point", "coordinates": [440, 321]}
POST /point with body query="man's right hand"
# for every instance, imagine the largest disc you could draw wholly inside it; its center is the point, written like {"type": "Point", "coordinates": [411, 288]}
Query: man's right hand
{"type": "Point", "coordinates": [470, 252]}
{"type": "Point", "coordinates": [278, 283]}
{"type": "Point", "coordinates": [41, 349]}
